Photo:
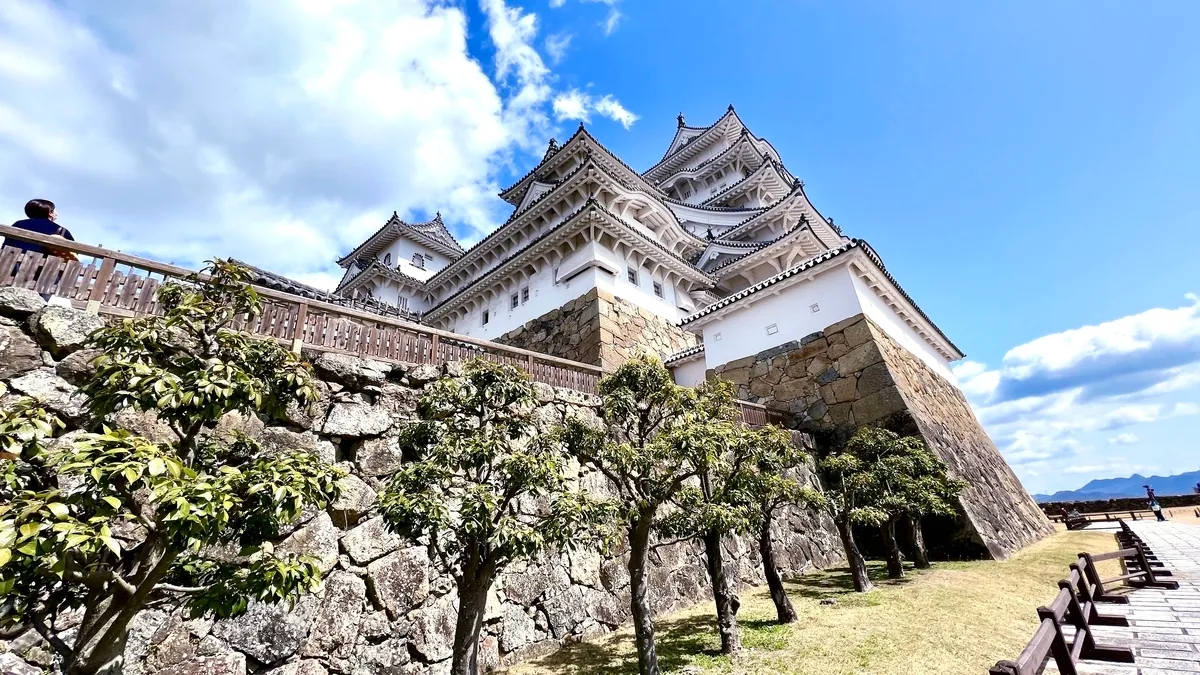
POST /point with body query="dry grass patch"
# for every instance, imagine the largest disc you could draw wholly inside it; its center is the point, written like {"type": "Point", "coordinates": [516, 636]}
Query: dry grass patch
{"type": "Point", "coordinates": [955, 618]}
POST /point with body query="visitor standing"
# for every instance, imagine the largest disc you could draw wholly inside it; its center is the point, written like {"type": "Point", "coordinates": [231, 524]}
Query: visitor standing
{"type": "Point", "coordinates": [40, 217]}
{"type": "Point", "coordinates": [1157, 509]}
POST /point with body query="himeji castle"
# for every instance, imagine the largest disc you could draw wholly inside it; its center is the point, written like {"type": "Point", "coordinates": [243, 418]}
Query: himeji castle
{"type": "Point", "coordinates": [717, 245]}
{"type": "Point", "coordinates": [715, 260]}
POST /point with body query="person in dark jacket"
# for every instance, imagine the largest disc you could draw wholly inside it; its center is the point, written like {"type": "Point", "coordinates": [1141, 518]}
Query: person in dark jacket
{"type": "Point", "coordinates": [40, 217]}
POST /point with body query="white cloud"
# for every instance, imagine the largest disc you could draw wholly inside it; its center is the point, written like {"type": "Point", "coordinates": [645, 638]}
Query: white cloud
{"type": "Point", "coordinates": [281, 132]}
{"type": "Point", "coordinates": [578, 105]}
{"type": "Point", "coordinates": [556, 46]}
{"type": "Point", "coordinates": [1050, 402]}
{"type": "Point", "coordinates": [611, 21]}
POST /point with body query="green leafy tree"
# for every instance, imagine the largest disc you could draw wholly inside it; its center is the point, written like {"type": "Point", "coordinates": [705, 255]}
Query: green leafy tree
{"type": "Point", "coordinates": [721, 500]}
{"type": "Point", "coordinates": [488, 488]}
{"type": "Point", "coordinates": [109, 523]}
{"type": "Point", "coordinates": [851, 498]}
{"type": "Point", "coordinates": [910, 482]}
{"type": "Point", "coordinates": [777, 483]}
{"type": "Point", "coordinates": [656, 439]}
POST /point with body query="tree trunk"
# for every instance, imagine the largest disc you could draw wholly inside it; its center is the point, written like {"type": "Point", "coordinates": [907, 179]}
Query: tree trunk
{"type": "Point", "coordinates": [643, 623]}
{"type": "Point", "coordinates": [920, 553]}
{"type": "Point", "coordinates": [472, 605]}
{"type": "Point", "coordinates": [858, 566]}
{"type": "Point", "coordinates": [783, 606]}
{"type": "Point", "coordinates": [727, 603]}
{"type": "Point", "coordinates": [99, 647]}
{"type": "Point", "coordinates": [895, 559]}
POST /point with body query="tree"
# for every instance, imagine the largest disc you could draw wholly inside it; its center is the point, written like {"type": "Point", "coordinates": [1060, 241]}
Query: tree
{"type": "Point", "coordinates": [488, 488]}
{"type": "Point", "coordinates": [850, 493]}
{"type": "Point", "coordinates": [777, 484]}
{"type": "Point", "coordinates": [911, 482]}
{"type": "Point", "coordinates": [721, 501]}
{"type": "Point", "coordinates": [655, 441]}
{"type": "Point", "coordinates": [110, 523]}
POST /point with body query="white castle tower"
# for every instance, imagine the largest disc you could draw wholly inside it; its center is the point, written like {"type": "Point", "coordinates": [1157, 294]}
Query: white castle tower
{"type": "Point", "coordinates": [715, 260]}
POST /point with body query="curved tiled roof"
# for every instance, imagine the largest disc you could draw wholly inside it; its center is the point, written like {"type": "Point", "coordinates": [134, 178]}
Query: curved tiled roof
{"type": "Point", "coordinates": [283, 284]}
{"type": "Point", "coordinates": [771, 281]}
{"type": "Point", "coordinates": [590, 204]}
{"type": "Point", "coordinates": [715, 160]}
{"type": "Point", "coordinates": [666, 156]}
{"type": "Point", "coordinates": [684, 354]}
{"type": "Point", "coordinates": [725, 192]}
{"type": "Point", "coordinates": [800, 225]}
{"type": "Point", "coordinates": [432, 233]}
{"type": "Point", "coordinates": [814, 262]}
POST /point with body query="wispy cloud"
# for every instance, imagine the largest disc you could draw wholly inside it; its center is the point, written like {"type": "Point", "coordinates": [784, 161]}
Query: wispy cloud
{"type": "Point", "coordinates": [578, 105]}
{"type": "Point", "coordinates": [1123, 439]}
{"type": "Point", "coordinates": [610, 23]}
{"type": "Point", "coordinates": [556, 46]}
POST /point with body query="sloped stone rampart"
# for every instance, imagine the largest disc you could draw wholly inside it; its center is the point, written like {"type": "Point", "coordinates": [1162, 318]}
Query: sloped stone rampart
{"type": "Point", "coordinates": [384, 608]}
{"type": "Point", "coordinates": [600, 329]}
{"type": "Point", "coordinates": [853, 374]}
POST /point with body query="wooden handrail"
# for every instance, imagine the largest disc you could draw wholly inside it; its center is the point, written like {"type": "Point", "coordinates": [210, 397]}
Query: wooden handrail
{"type": "Point", "coordinates": [375, 336]}
{"type": "Point", "coordinates": [180, 272]}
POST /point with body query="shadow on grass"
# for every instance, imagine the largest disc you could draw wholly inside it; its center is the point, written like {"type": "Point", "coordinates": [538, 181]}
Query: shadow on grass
{"type": "Point", "coordinates": [678, 642]}
{"type": "Point", "coordinates": [838, 581]}
{"type": "Point", "coordinates": [694, 639]}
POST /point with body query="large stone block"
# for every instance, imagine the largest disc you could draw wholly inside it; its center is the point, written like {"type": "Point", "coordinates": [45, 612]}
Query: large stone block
{"type": "Point", "coordinates": [18, 352]}
{"type": "Point", "coordinates": [62, 330]}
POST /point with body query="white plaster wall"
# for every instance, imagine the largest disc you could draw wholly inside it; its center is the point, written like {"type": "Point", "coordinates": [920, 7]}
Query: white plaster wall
{"type": "Point", "coordinates": [887, 319]}
{"type": "Point", "coordinates": [402, 251]}
{"type": "Point", "coordinates": [743, 332]}
{"type": "Point", "coordinates": [690, 373]}
{"type": "Point", "coordinates": [545, 296]}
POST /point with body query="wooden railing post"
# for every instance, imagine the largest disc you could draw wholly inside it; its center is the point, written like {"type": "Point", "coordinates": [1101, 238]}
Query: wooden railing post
{"type": "Point", "coordinates": [434, 342]}
{"type": "Point", "coordinates": [298, 331]}
{"type": "Point", "coordinates": [103, 275]}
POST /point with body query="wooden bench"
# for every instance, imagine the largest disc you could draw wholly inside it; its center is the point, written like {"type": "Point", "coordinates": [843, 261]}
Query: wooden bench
{"type": "Point", "coordinates": [1076, 606]}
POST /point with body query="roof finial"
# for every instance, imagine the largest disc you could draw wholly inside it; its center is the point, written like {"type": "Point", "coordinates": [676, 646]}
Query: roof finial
{"type": "Point", "coordinates": [581, 125]}
{"type": "Point", "coordinates": [680, 118]}
{"type": "Point", "coordinates": [437, 215]}
{"type": "Point", "coordinates": [730, 109]}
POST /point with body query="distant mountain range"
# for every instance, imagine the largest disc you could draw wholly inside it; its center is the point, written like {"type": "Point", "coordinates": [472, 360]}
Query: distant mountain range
{"type": "Point", "coordinates": [1111, 488]}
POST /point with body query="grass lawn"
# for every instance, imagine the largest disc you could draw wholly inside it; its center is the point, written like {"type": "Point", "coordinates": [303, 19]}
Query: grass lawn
{"type": "Point", "coordinates": [955, 618]}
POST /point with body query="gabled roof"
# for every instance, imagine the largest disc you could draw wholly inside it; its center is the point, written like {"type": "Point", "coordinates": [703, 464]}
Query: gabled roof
{"type": "Point", "coordinates": [654, 174]}
{"type": "Point", "coordinates": [742, 147]}
{"type": "Point", "coordinates": [768, 167]}
{"type": "Point", "coordinates": [516, 192]}
{"type": "Point", "coordinates": [816, 261]}
{"type": "Point", "coordinates": [375, 266]}
{"type": "Point", "coordinates": [792, 232]}
{"type": "Point", "coordinates": [283, 284]}
{"type": "Point", "coordinates": [432, 233]}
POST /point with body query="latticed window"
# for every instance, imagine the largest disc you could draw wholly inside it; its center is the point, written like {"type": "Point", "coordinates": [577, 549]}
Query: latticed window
{"type": "Point", "coordinates": [514, 301]}
{"type": "Point", "coordinates": [631, 274]}
{"type": "Point", "coordinates": [658, 289]}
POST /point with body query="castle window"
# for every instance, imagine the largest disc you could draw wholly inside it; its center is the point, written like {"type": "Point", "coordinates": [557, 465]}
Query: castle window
{"type": "Point", "coordinates": [486, 316]}
{"type": "Point", "coordinates": [524, 295]}
{"type": "Point", "coordinates": [387, 258]}
{"type": "Point", "coordinates": [658, 289]}
{"type": "Point", "coordinates": [631, 274]}
{"type": "Point", "coordinates": [418, 261]}
{"type": "Point", "coordinates": [514, 301]}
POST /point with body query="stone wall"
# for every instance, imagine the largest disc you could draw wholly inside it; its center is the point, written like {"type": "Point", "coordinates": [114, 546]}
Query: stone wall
{"type": "Point", "coordinates": [853, 374]}
{"type": "Point", "coordinates": [601, 329]}
{"type": "Point", "coordinates": [383, 608]}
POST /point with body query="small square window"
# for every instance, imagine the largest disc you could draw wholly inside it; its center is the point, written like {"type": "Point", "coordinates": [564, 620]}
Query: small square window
{"type": "Point", "coordinates": [631, 275]}
{"type": "Point", "coordinates": [717, 337]}
{"type": "Point", "coordinates": [486, 316]}
{"type": "Point", "coordinates": [773, 329]}
{"type": "Point", "coordinates": [658, 289]}
{"type": "Point", "coordinates": [514, 301]}
{"type": "Point", "coordinates": [814, 308]}
{"type": "Point", "coordinates": [524, 295]}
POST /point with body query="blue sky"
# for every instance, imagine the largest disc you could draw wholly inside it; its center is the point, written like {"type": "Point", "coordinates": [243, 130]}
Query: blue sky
{"type": "Point", "coordinates": [1027, 170]}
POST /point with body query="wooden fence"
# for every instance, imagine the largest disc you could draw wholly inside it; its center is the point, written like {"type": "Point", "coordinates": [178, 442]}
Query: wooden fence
{"type": "Point", "coordinates": [112, 283]}
{"type": "Point", "coordinates": [1076, 608]}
